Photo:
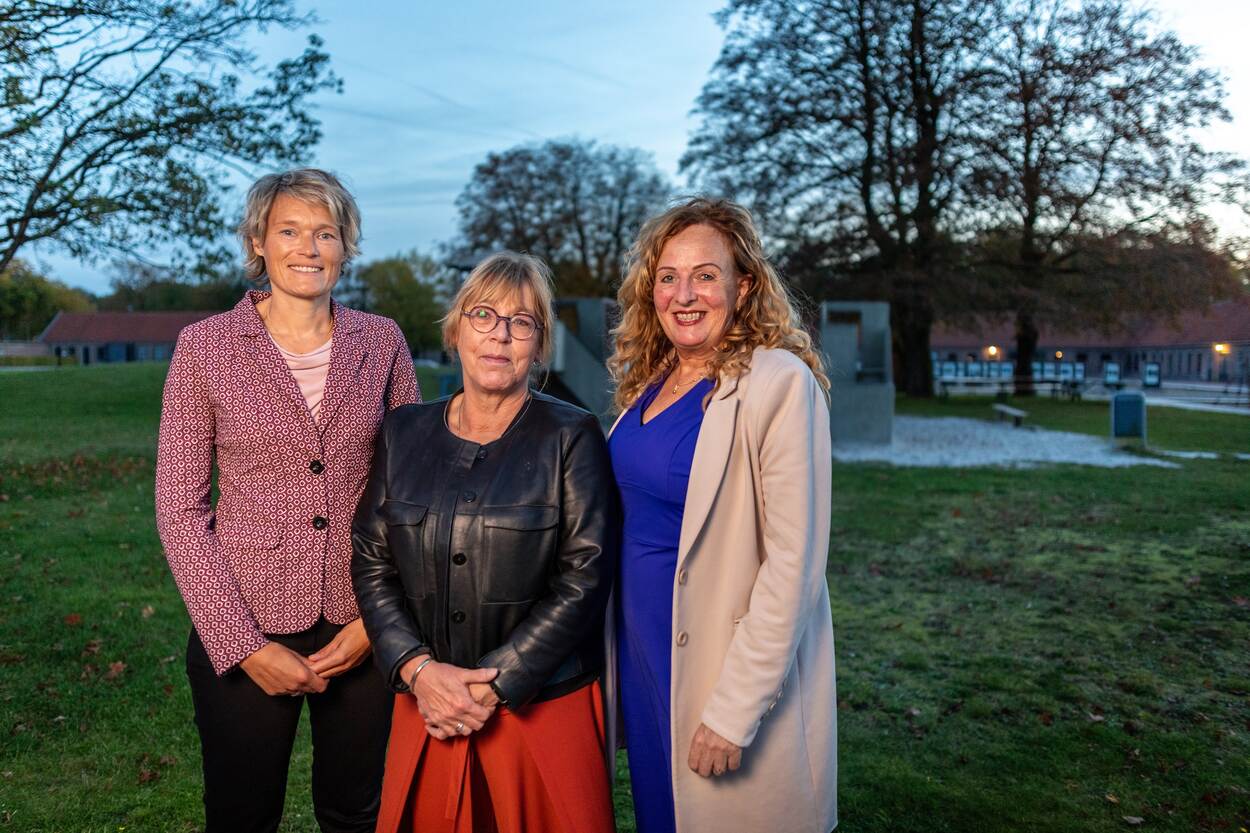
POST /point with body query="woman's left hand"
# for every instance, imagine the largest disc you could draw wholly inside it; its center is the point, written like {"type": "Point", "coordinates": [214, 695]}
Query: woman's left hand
{"type": "Point", "coordinates": [349, 647]}
{"type": "Point", "coordinates": [711, 754]}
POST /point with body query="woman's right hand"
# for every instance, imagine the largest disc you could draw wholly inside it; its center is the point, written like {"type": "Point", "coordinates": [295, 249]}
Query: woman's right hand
{"type": "Point", "coordinates": [442, 692]}
{"type": "Point", "coordinates": [279, 670]}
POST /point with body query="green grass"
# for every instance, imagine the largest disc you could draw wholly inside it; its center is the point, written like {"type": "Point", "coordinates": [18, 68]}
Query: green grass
{"type": "Point", "coordinates": [1042, 650]}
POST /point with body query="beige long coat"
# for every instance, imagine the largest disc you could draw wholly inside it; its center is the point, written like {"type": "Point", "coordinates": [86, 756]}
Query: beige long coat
{"type": "Point", "coordinates": [752, 653]}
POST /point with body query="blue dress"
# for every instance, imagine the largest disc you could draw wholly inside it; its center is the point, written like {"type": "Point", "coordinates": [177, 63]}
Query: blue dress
{"type": "Point", "coordinates": [652, 467]}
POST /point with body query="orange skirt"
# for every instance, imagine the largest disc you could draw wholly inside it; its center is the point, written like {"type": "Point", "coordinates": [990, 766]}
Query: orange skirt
{"type": "Point", "coordinates": [540, 770]}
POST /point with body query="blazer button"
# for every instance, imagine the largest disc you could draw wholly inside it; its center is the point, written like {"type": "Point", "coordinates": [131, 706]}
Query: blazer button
{"type": "Point", "coordinates": [481, 455]}
{"type": "Point", "coordinates": [682, 576]}
{"type": "Point", "coordinates": [469, 496]}
{"type": "Point", "coordinates": [682, 638]}
{"type": "Point", "coordinates": [316, 466]}
{"type": "Point", "coordinates": [458, 617]}
{"type": "Point", "coordinates": [320, 522]}
{"type": "Point", "coordinates": [458, 559]}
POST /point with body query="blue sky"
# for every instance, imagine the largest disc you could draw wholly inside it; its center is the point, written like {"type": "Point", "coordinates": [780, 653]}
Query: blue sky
{"type": "Point", "coordinates": [431, 88]}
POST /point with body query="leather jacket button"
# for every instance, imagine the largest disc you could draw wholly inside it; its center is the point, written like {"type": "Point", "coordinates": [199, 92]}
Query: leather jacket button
{"type": "Point", "coordinates": [682, 638]}
{"type": "Point", "coordinates": [458, 559]}
{"type": "Point", "coordinates": [316, 466]}
{"type": "Point", "coordinates": [682, 576]}
{"type": "Point", "coordinates": [458, 617]}
{"type": "Point", "coordinates": [320, 522]}
{"type": "Point", "coordinates": [469, 496]}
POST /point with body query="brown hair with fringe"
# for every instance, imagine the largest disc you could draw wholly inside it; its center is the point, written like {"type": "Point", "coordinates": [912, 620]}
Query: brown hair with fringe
{"type": "Point", "coordinates": [765, 317]}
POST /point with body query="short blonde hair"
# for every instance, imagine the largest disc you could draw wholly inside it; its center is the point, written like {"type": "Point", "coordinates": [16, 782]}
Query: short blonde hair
{"type": "Point", "coordinates": [506, 275]}
{"type": "Point", "coordinates": [309, 185]}
{"type": "Point", "coordinates": [767, 315]}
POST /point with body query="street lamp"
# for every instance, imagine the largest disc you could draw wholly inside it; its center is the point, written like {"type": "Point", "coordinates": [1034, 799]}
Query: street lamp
{"type": "Point", "coordinates": [1222, 348]}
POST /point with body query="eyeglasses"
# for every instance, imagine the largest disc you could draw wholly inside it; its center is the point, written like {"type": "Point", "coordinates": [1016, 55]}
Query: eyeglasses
{"type": "Point", "coordinates": [521, 326]}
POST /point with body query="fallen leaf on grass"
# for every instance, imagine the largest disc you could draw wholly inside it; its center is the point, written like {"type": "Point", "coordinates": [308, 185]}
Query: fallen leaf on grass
{"type": "Point", "coordinates": [1241, 601]}
{"type": "Point", "coordinates": [92, 647]}
{"type": "Point", "coordinates": [1133, 821]}
{"type": "Point", "coordinates": [115, 670]}
{"type": "Point", "coordinates": [1047, 719]}
{"type": "Point", "coordinates": [1095, 718]}
{"type": "Point", "coordinates": [955, 513]}
{"type": "Point", "coordinates": [89, 671]}
{"type": "Point", "coordinates": [1113, 798]}
{"type": "Point", "coordinates": [1193, 581]}
{"type": "Point", "coordinates": [147, 776]}
{"type": "Point", "coordinates": [167, 760]}
{"type": "Point", "coordinates": [147, 611]}
{"type": "Point", "coordinates": [913, 712]}
{"type": "Point", "coordinates": [73, 619]}
{"type": "Point", "coordinates": [167, 660]}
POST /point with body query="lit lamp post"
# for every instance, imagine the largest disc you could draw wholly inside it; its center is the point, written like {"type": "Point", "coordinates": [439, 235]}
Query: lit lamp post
{"type": "Point", "coordinates": [1222, 349]}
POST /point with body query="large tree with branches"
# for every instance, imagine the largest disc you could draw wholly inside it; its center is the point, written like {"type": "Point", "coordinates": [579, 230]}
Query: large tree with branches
{"type": "Point", "coordinates": [1089, 178]}
{"type": "Point", "coordinates": [575, 203]}
{"type": "Point", "coordinates": [120, 119]}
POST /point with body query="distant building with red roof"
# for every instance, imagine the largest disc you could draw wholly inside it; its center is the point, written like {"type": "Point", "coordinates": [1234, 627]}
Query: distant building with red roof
{"type": "Point", "coordinates": [1206, 345]}
{"type": "Point", "coordinates": [117, 336]}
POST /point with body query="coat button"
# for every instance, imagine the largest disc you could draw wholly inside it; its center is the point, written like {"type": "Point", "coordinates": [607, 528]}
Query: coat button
{"type": "Point", "coordinates": [682, 576]}
{"type": "Point", "coordinates": [469, 496]}
{"type": "Point", "coordinates": [457, 617]}
{"type": "Point", "coordinates": [458, 559]}
{"type": "Point", "coordinates": [481, 455]}
{"type": "Point", "coordinates": [682, 638]}
{"type": "Point", "coordinates": [316, 466]}
{"type": "Point", "coordinates": [320, 522]}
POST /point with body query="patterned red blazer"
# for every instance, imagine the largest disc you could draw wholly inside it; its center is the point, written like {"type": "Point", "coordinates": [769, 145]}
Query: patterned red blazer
{"type": "Point", "coordinates": [274, 554]}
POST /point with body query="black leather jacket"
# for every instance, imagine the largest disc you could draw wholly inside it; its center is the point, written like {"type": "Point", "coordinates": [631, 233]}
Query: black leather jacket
{"type": "Point", "coordinates": [498, 555]}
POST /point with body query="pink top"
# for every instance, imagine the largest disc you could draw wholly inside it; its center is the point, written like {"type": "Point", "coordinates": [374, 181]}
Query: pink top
{"type": "Point", "coordinates": [310, 370]}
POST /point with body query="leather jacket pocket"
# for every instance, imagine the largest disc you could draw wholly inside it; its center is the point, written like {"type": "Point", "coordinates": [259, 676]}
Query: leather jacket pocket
{"type": "Point", "coordinates": [520, 551]}
{"type": "Point", "coordinates": [405, 532]}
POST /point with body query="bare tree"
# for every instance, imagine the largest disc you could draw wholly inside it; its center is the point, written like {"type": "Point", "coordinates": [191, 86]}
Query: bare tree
{"type": "Point", "coordinates": [120, 118]}
{"type": "Point", "coordinates": [845, 124]}
{"type": "Point", "coordinates": [577, 204]}
{"type": "Point", "coordinates": [1089, 166]}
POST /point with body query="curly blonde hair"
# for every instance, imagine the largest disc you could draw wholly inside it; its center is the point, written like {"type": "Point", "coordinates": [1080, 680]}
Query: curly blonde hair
{"type": "Point", "coordinates": [764, 317]}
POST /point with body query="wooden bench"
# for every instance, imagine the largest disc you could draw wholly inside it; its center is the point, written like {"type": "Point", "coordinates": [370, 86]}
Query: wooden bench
{"type": "Point", "coordinates": [1004, 411]}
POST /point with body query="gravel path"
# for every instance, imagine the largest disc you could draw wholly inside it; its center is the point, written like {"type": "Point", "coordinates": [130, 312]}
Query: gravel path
{"type": "Point", "coordinates": [952, 442]}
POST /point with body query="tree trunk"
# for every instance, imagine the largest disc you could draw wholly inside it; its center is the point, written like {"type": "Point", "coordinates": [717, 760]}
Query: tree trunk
{"type": "Point", "coordinates": [912, 326]}
{"type": "Point", "coordinates": [1026, 349]}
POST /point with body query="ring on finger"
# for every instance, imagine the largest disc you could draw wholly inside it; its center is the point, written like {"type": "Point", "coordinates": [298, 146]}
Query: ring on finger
{"type": "Point", "coordinates": [459, 727]}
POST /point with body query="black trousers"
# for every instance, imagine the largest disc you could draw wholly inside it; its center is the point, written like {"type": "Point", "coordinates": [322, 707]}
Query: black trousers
{"type": "Point", "coordinates": [246, 738]}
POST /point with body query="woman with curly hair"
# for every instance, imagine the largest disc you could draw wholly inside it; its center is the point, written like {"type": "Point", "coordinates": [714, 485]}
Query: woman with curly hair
{"type": "Point", "coordinates": [723, 631]}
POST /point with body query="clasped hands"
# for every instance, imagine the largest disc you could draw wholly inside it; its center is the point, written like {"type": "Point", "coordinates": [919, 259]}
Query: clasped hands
{"type": "Point", "coordinates": [453, 700]}
{"type": "Point", "coordinates": [279, 670]}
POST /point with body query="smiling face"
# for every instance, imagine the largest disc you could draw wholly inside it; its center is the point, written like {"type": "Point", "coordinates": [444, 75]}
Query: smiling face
{"type": "Point", "coordinates": [495, 362]}
{"type": "Point", "coordinates": [302, 248]}
{"type": "Point", "coordinates": [696, 290]}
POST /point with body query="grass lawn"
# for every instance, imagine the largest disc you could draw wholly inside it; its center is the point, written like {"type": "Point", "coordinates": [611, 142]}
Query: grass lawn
{"type": "Point", "coordinates": [1054, 649]}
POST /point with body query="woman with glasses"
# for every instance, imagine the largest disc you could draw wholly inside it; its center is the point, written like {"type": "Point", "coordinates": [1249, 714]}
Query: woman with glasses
{"type": "Point", "coordinates": [484, 550]}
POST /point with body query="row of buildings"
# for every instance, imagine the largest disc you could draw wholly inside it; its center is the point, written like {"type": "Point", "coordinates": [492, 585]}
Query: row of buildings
{"type": "Point", "coordinates": [1207, 346]}
{"type": "Point", "coordinates": [1213, 345]}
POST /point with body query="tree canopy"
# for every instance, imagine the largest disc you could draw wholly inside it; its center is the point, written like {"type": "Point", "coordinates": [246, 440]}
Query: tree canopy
{"type": "Point", "coordinates": [577, 204]}
{"type": "Point", "coordinates": [119, 119]}
{"type": "Point", "coordinates": [29, 301]}
{"type": "Point", "coordinates": [960, 157]}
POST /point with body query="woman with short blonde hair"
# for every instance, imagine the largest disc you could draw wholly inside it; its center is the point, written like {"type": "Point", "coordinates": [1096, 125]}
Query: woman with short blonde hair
{"type": "Point", "coordinates": [722, 456]}
{"type": "Point", "coordinates": [283, 395]}
{"type": "Point", "coordinates": [485, 547]}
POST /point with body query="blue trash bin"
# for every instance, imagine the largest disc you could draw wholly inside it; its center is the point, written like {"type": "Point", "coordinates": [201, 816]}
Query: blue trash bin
{"type": "Point", "coordinates": [1128, 417]}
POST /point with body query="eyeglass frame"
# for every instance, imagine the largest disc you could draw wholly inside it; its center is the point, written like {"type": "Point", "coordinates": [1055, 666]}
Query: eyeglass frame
{"type": "Point", "coordinates": [506, 319]}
